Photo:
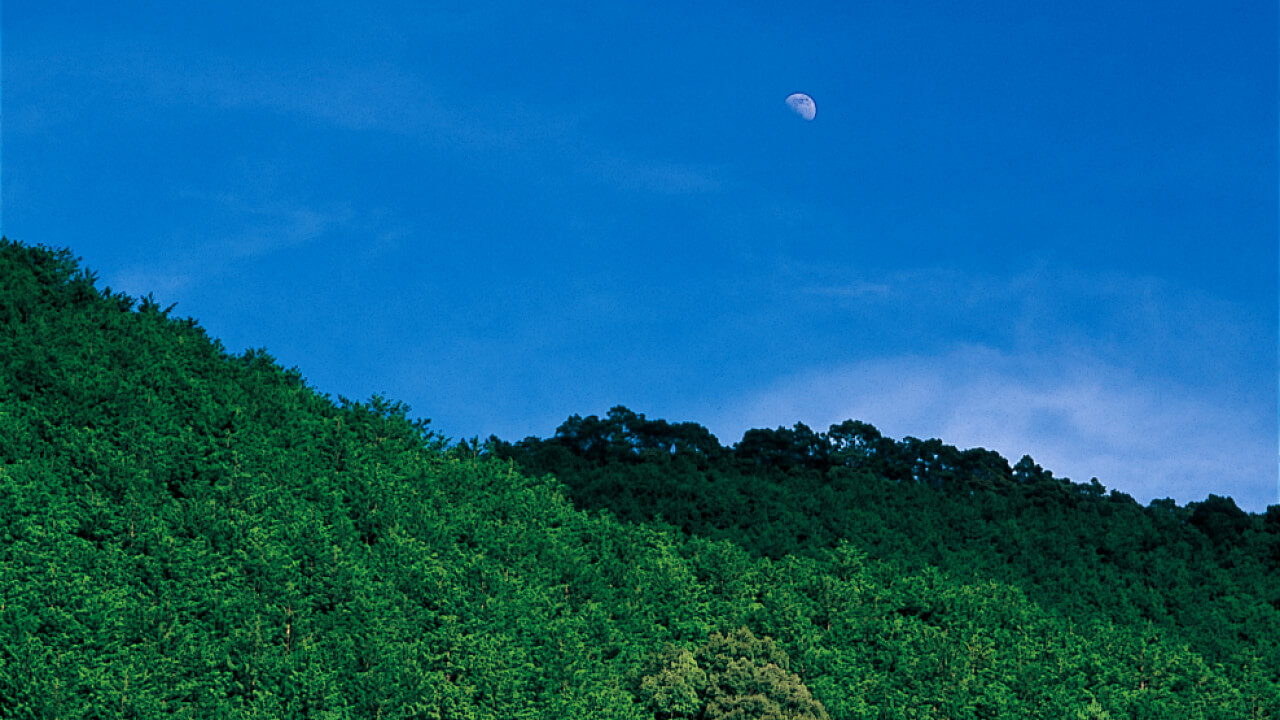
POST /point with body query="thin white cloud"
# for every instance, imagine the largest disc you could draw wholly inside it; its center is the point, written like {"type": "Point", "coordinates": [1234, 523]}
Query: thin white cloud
{"type": "Point", "coordinates": [1155, 390]}
{"type": "Point", "coordinates": [269, 226]}
{"type": "Point", "coordinates": [1078, 416]}
{"type": "Point", "coordinates": [238, 230]}
{"type": "Point", "coordinates": [138, 281]}
{"type": "Point", "coordinates": [386, 97]}
{"type": "Point", "coordinates": [660, 177]}
{"type": "Point", "coordinates": [857, 289]}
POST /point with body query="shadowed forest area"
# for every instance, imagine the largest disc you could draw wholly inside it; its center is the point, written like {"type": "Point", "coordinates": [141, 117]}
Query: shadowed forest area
{"type": "Point", "coordinates": [189, 532]}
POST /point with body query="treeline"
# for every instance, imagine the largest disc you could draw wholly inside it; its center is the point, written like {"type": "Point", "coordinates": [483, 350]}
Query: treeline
{"type": "Point", "coordinates": [188, 532]}
{"type": "Point", "coordinates": [1205, 573]}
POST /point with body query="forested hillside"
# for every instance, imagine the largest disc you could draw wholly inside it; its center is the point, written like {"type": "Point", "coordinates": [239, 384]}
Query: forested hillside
{"type": "Point", "coordinates": [190, 532]}
{"type": "Point", "coordinates": [1205, 573]}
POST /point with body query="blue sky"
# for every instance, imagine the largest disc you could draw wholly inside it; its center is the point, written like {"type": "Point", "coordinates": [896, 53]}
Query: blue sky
{"type": "Point", "coordinates": [1042, 230]}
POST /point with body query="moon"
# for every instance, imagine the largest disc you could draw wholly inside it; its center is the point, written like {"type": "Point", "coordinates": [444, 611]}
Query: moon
{"type": "Point", "coordinates": [802, 105]}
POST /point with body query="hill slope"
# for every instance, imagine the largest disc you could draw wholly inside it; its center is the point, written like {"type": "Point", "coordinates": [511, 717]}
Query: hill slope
{"type": "Point", "coordinates": [188, 532]}
{"type": "Point", "coordinates": [1207, 573]}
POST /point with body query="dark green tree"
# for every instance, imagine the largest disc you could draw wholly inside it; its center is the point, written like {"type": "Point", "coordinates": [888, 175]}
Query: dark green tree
{"type": "Point", "coordinates": [1220, 519]}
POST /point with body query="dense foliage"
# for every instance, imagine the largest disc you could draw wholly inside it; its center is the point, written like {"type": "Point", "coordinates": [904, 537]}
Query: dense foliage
{"type": "Point", "coordinates": [1204, 574]}
{"type": "Point", "coordinates": [733, 676]}
{"type": "Point", "coordinates": [189, 532]}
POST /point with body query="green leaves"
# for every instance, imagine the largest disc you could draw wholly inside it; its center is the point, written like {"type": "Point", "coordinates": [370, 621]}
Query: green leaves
{"type": "Point", "coordinates": [733, 676]}
{"type": "Point", "coordinates": [185, 532]}
{"type": "Point", "coordinates": [1204, 575]}
{"type": "Point", "coordinates": [675, 689]}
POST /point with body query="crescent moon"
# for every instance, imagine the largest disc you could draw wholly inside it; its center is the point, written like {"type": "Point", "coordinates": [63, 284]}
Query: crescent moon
{"type": "Point", "coordinates": [802, 105]}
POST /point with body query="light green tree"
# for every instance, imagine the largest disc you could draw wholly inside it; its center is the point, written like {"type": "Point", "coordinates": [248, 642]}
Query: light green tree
{"type": "Point", "coordinates": [734, 676]}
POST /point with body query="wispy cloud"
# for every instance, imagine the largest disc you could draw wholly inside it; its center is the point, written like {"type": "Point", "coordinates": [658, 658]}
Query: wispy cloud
{"type": "Point", "coordinates": [262, 227]}
{"type": "Point", "coordinates": [240, 230]}
{"type": "Point", "coordinates": [656, 176]}
{"type": "Point", "coordinates": [1154, 390]}
{"type": "Point", "coordinates": [857, 289]}
{"type": "Point", "coordinates": [1079, 416]}
{"type": "Point", "coordinates": [383, 96]}
{"type": "Point", "coordinates": [369, 92]}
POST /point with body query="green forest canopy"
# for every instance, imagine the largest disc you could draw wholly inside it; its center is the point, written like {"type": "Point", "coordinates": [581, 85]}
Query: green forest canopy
{"type": "Point", "coordinates": [190, 532]}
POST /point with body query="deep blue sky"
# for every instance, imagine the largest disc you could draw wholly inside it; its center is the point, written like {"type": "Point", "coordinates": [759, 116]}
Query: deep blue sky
{"type": "Point", "coordinates": [1046, 231]}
